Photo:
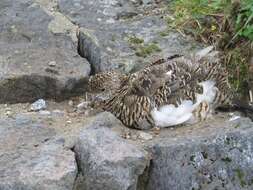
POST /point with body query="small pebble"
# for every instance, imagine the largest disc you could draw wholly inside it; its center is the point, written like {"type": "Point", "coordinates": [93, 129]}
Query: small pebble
{"type": "Point", "coordinates": [86, 112]}
{"type": "Point", "coordinates": [52, 63]}
{"type": "Point", "coordinates": [58, 113]}
{"type": "Point", "coordinates": [71, 103]}
{"type": "Point", "coordinates": [233, 118]}
{"type": "Point", "coordinates": [7, 108]}
{"type": "Point", "coordinates": [69, 122]}
{"type": "Point", "coordinates": [134, 137]}
{"type": "Point", "coordinates": [8, 113]}
{"type": "Point", "coordinates": [38, 105]}
{"type": "Point", "coordinates": [126, 134]}
{"type": "Point", "coordinates": [82, 105]}
{"type": "Point", "coordinates": [109, 49]}
{"type": "Point", "coordinates": [231, 114]}
{"type": "Point", "coordinates": [145, 136]}
{"type": "Point", "coordinates": [110, 21]}
{"type": "Point", "coordinates": [44, 112]}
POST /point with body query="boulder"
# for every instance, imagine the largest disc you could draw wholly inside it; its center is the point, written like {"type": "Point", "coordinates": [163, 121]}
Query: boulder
{"type": "Point", "coordinates": [32, 157]}
{"type": "Point", "coordinates": [218, 155]}
{"type": "Point", "coordinates": [105, 160]}
{"type": "Point", "coordinates": [36, 59]}
{"type": "Point", "coordinates": [123, 35]}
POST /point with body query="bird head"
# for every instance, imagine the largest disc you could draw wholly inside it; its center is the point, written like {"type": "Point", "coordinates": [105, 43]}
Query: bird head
{"type": "Point", "coordinates": [147, 81]}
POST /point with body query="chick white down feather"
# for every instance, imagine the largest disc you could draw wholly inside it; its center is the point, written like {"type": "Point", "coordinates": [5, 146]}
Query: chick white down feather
{"type": "Point", "coordinates": [170, 115]}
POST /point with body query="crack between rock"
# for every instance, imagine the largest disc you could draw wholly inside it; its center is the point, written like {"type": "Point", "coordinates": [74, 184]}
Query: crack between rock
{"type": "Point", "coordinates": [142, 180]}
{"type": "Point", "coordinates": [79, 171]}
{"type": "Point", "coordinates": [82, 49]}
{"type": "Point", "coordinates": [34, 86]}
{"type": "Point", "coordinates": [87, 48]}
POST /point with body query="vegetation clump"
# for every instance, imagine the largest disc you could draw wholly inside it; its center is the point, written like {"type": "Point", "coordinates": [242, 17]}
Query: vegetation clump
{"type": "Point", "coordinates": [227, 24]}
{"type": "Point", "coordinates": [240, 176]}
{"type": "Point", "coordinates": [227, 159]}
{"type": "Point", "coordinates": [143, 49]}
{"type": "Point", "coordinates": [135, 40]}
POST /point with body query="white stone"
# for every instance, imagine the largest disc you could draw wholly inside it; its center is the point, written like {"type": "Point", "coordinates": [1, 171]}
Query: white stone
{"type": "Point", "coordinates": [44, 112]}
{"type": "Point", "coordinates": [52, 63]}
{"type": "Point", "coordinates": [145, 136]}
{"type": "Point", "coordinates": [38, 105]}
{"type": "Point", "coordinates": [82, 105]}
{"type": "Point", "coordinates": [58, 112]}
{"type": "Point", "coordinates": [71, 103]}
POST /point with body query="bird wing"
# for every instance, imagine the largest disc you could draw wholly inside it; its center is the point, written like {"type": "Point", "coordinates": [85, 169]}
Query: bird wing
{"type": "Point", "coordinates": [106, 81]}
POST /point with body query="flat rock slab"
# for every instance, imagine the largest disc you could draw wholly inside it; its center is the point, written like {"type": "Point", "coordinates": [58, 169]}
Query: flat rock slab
{"type": "Point", "coordinates": [123, 35]}
{"type": "Point", "coordinates": [36, 59]}
{"type": "Point", "coordinates": [216, 154]}
{"type": "Point", "coordinates": [32, 158]}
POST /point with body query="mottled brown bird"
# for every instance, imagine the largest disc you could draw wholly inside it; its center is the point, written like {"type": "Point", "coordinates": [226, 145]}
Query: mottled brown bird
{"type": "Point", "coordinates": [108, 81]}
{"type": "Point", "coordinates": [167, 92]}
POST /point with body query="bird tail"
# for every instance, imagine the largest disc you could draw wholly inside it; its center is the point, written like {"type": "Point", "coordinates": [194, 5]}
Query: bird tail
{"type": "Point", "coordinates": [238, 105]}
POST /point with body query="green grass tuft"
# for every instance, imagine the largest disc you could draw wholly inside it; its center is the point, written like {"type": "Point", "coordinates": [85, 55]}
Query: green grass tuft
{"type": "Point", "coordinates": [134, 40]}
{"type": "Point", "coordinates": [227, 24]}
{"type": "Point", "coordinates": [147, 49]}
{"type": "Point", "coordinates": [240, 176]}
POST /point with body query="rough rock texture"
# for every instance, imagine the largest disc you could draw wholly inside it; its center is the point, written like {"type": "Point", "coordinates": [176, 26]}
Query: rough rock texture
{"type": "Point", "coordinates": [215, 156]}
{"type": "Point", "coordinates": [35, 153]}
{"type": "Point", "coordinates": [39, 59]}
{"type": "Point", "coordinates": [32, 158]}
{"type": "Point", "coordinates": [107, 161]}
{"type": "Point", "coordinates": [122, 34]}
{"type": "Point", "coordinates": [36, 59]}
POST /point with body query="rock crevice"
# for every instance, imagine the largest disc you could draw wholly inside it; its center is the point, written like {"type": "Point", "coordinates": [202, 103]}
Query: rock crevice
{"type": "Point", "coordinates": [38, 59]}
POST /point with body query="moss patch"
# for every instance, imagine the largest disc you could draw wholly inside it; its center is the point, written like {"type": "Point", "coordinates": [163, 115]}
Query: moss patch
{"type": "Point", "coordinates": [205, 155]}
{"type": "Point", "coordinates": [226, 159]}
{"type": "Point", "coordinates": [135, 40]}
{"type": "Point", "coordinates": [192, 158]}
{"type": "Point", "coordinates": [164, 33]}
{"type": "Point", "coordinates": [147, 49]}
{"type": "Point", "coordinates": [227, 140]}
{"type": "Point", "coordinates": [143, 49]}
{"type": "Point", "coordinates": [240, 175]}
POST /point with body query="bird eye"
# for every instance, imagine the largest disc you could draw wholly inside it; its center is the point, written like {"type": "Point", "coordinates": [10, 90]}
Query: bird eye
{"type": "Point", "coordinates": [199, 89]}
{"type": "Point", "coordinates": [146, 83]}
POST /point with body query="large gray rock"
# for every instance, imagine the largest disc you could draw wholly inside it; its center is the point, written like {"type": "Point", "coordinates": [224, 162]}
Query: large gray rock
{"type": "Point", "coordinates": [107, 161]}
{"type": "Point", "coordinates": [32, 158]}
{"type": "Point", "coordinates": [214, 156]}
{"type": "Point", "coordinates": [37, 59]}
{"type": "Point", "coordinates": [121, 34]}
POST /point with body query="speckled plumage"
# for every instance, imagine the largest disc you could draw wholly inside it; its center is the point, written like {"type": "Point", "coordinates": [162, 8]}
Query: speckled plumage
{"type": "Point", "coordinates": [108, 81]}
{"type": "Point", "coordinates": [166, 81]}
